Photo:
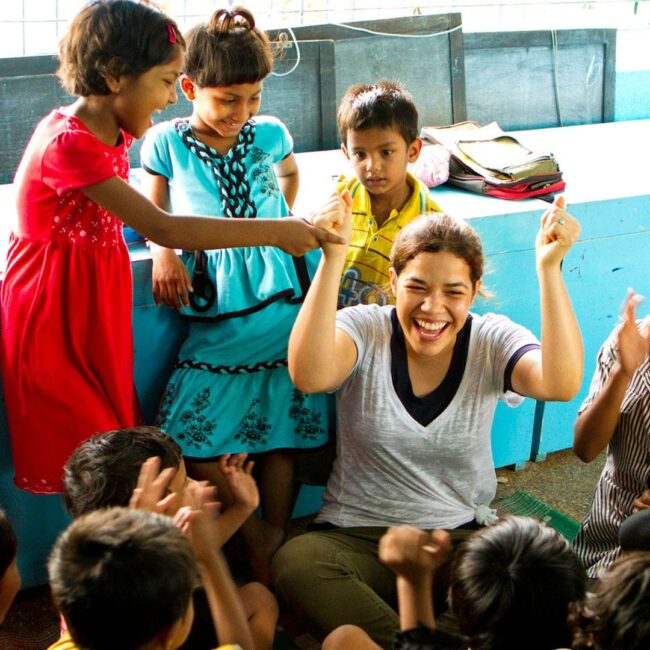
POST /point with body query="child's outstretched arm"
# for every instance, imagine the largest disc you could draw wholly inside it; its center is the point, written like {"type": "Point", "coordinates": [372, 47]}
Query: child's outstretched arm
{"type": "Point", "coordinates": [554, 372]}
{"type": "Point", "coordinates": [293, 235]}
{"type": "Point", "coordinates": [320, 356]}
{"type": "Point", "coordinates": [227, 610]}
{"type": "Point", "coordinates": [595, 426]}
{"type": "Point", "coordinates": [414, 556]}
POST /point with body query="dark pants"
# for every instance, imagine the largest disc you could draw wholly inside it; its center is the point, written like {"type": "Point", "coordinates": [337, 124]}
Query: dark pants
{"type": "Point", "coordinates": [334, 577]}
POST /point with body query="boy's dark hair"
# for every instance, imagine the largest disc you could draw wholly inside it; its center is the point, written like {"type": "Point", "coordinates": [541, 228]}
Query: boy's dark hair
{"type": "Point", "coordinates": [511, 586]}
{"type": "Point", "coordinates": [228, 50]}
{"type": "Point", "coordinates": [120, 576]}
{"type": "Point", "coordinates": [103, 470]}
{"type": "Point", "coordinates": [383, 105]}
{"type": "Point", "coordinates": [8, 543]}
{"type": "Point", "coordinates": [616, 616]}
{"type": "Point", "coordinates": [114, 37]}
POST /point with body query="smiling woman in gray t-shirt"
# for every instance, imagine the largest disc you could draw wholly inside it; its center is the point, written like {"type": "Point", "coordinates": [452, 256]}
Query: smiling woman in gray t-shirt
{"type": "Point", "coordinates": [416, 388]}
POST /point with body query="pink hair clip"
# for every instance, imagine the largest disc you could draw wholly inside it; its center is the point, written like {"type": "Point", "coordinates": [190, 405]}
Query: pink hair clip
{"type": "Point", "coordinates": [172, 33]}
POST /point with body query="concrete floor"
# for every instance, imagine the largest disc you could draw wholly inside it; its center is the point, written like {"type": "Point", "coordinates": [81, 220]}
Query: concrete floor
{"type": "Point", "coordinates": [562, 481]}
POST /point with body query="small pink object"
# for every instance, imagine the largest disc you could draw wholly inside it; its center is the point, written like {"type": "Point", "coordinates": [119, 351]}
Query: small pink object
{"type": "Point", "coordinates": [432, 166]}
{"type": "Point", "coordinates": [172, 33]}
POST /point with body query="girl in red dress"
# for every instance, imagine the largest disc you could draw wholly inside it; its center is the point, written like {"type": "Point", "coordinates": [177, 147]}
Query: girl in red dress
{"type": "Point", "coordinates": [66, 300]}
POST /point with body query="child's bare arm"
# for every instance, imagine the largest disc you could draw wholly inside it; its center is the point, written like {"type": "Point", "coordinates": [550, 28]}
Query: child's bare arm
{"type": "Point", "coordinates": [227, 610]}
{"type": "Point", "coordinates": [294, 236]}
{"type": "Point", "coordinates": [246, 497]}
{"type": "Point", "coordinates": [414, 555]}
{"type": "Point", "coordinates": [170, 281]}
{"type": "Point", "coordinates": [595, 426]}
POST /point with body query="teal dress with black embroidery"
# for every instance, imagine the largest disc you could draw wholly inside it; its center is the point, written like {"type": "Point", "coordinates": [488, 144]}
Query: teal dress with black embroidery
{"type": "Point", "coordinates": [230, 390]}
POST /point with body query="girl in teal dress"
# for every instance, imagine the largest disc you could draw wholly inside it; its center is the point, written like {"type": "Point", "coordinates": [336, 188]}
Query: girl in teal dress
{"type": "Point", "coordinates": [230, 391]}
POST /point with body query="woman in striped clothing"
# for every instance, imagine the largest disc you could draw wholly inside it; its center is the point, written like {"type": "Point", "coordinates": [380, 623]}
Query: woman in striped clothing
{"type": "Point", "coordinates": [616, 414]}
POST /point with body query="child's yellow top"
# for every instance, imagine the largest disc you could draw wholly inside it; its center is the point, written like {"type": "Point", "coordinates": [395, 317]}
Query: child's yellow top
{"type": "Point", "coordinates": [66, 643]}
{"type": "Point", "coordinates": [365, 274]}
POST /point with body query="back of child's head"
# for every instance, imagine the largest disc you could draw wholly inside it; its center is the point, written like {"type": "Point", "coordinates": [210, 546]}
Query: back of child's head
{"type": "Point", "coordinates": [616, 616]}
{"type": "Point", "coordinates": [121, 576]}
{"type": "Point", "coordinates": [103, 470]}
{"type": "Point", "coordinates": [228, 49]}
{"type": "Point", "coordinates": [511, 586]}
{"type": "Point", "coordinates": [383, 105]}
{"type": "Point", "coordinates": [114, 38]}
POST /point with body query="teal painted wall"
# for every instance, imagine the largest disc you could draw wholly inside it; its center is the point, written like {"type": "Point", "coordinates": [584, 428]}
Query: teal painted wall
{"type": "Point", "coordinates": [632, 95]}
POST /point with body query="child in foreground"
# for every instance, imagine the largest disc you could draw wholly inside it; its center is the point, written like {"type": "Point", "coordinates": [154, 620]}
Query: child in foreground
{"type": "Point", "coordinates": [66, 297]}
{"type": "Point", "coordinates": [378, 127]}
{"type": "Point", "coordinates": [124, 578]}
{"type": "Point", "coordinates": [105, 470]}
{"type": "Point", "coordinates": [511, 587]}
{"type": "Point", "coordinates": [616, 415]}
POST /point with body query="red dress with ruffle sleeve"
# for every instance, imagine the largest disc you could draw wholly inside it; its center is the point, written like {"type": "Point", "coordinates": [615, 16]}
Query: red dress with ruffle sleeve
{"type": "Point", "coordinates": [66, 303]}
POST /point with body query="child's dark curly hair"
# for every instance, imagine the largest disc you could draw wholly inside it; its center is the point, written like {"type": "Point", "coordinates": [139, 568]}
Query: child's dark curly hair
{"type": "Point", "coordinates": [510, 577]}
{"type": "Point", "coordinates": [616, 616]}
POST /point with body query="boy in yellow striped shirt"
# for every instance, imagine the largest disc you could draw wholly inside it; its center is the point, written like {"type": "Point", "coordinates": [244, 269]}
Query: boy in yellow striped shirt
{"type": "Point", "coordinates": [378, 125]}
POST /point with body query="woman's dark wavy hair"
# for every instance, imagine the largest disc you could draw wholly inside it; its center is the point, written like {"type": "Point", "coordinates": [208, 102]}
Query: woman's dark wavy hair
{"type": "Point", "coordinates": [616, 616]}
{"type": "Point", "coordinates": [511, 586]}
{"type": "Point", "coordinates": [114, 38]}
{"type": "Point", "coordinates": [228, 49]}
{"type": "Point", "coordinates": [437, 233]}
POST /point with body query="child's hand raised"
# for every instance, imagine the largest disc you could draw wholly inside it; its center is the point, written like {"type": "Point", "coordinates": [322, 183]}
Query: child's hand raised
{"type": "Point", "coordinates": [197, 517]}
{"type": "Point", "coordinates": [239, 475]}
{"type": "Point", "coordinates": [633, 345]}
{"type": "Point", "coordinates": [150, 492]}
{"type": "Point", "coordinates": [412, 553]}
{"type": "Point", "coordinates": [557, 233]}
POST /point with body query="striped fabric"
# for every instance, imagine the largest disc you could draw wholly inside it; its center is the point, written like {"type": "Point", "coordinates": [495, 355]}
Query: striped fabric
{"type": "Point", "coordinates": [627, 469]}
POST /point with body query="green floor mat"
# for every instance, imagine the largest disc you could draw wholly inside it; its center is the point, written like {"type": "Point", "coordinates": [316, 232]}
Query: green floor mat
{"type": "Point", "coordinates": [523, 504]}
